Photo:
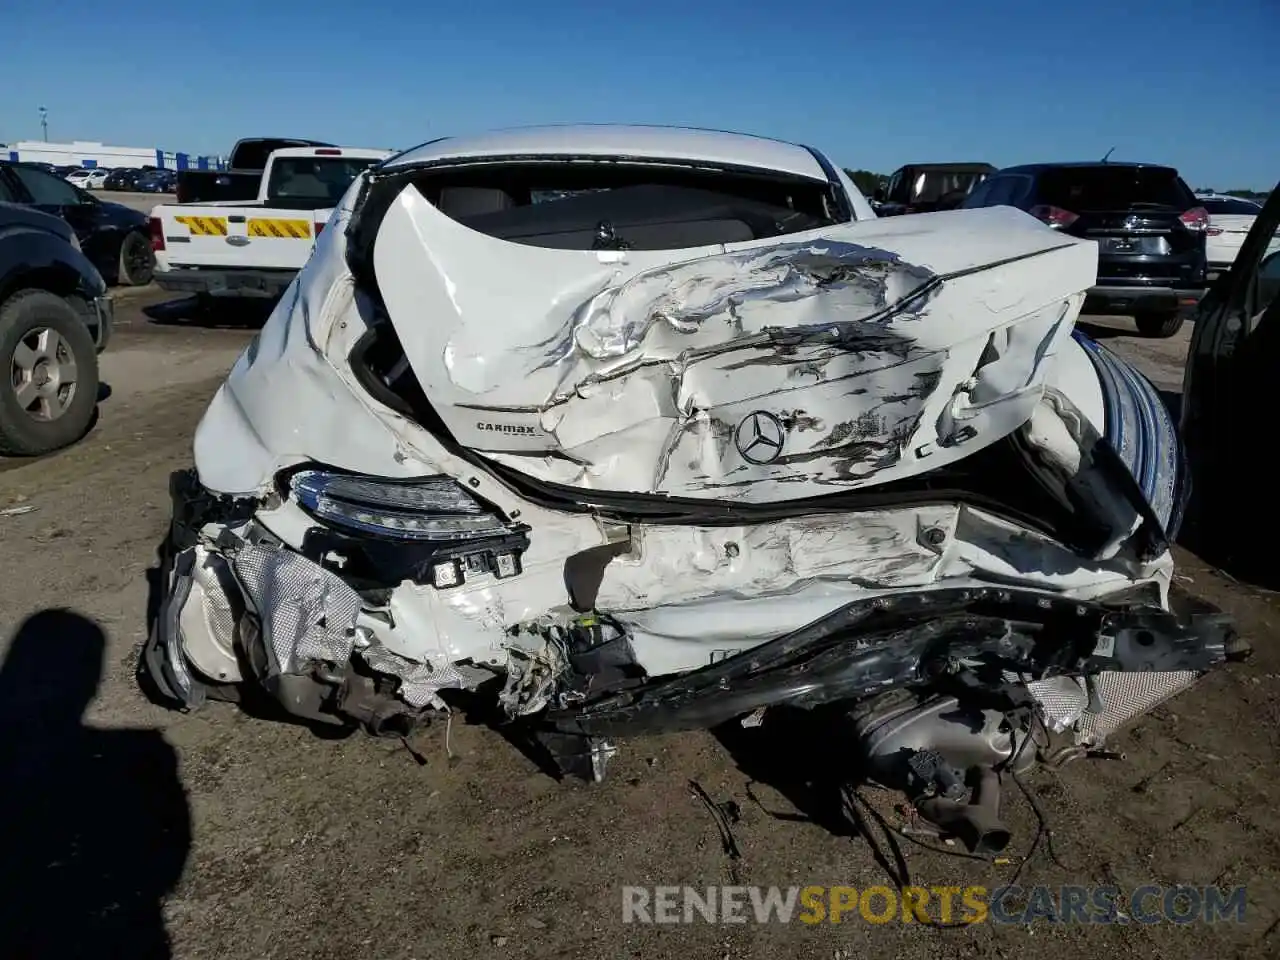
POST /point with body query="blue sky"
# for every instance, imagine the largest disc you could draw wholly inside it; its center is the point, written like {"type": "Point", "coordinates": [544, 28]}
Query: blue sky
{"type": "Point", "coordinates": [874, 85]}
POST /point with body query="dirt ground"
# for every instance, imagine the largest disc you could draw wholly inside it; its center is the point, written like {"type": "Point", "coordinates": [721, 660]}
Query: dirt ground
{"type": "Point", "coordinates": [261, 840]}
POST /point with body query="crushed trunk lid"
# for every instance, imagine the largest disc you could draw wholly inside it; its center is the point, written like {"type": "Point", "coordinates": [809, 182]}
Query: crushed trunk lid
{"type": "Point", "coordinates": [754, 372]}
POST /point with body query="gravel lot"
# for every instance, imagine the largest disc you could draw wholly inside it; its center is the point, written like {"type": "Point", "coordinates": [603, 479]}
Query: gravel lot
{"type": "Point", "coordinates": [259, 840]}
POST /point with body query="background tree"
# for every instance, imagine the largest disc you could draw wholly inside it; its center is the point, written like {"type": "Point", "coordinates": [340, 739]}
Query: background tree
{"type": "Point", "coordinates": [865, 180]}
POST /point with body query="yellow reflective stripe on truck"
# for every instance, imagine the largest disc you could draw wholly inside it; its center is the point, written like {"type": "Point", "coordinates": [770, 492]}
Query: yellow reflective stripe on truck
{"type": "Point", "coordinates": [282, 229]}
{"type": "Point", "coordinates": [204, 226]}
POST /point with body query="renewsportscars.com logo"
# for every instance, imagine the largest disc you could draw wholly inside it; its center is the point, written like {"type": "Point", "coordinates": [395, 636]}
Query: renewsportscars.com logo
{"type": "Point", "coordinates": [881, 904]}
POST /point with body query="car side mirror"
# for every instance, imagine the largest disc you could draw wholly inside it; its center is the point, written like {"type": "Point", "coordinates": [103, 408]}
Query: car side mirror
{"type": "Point", "coordinates": [878, 194]}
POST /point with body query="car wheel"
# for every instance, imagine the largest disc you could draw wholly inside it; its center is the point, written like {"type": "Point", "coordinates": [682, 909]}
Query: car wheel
{"type": "Point", "coordinates": [137, 260]}
{"type": "Point", "coordinates": [50, 385]}
{"type": "Point", "coordinates": [1163, 324]}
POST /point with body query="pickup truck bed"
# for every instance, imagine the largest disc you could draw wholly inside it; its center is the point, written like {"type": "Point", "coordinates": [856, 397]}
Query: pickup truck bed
{"type": "Point", "coordinates": [254, 248]}
{"type": "Point", "coordinates": [248, 160]}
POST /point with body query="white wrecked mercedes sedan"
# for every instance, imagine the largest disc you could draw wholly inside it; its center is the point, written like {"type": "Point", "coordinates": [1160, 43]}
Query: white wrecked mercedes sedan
{"type": "Point", "coordinates": [642, 429]}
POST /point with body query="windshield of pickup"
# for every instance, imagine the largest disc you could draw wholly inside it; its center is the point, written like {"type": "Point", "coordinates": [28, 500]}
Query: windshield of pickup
{"type": "Point", "coordinates": [313, 181]}
{"type": "Point", "coordinates": [933, 185]}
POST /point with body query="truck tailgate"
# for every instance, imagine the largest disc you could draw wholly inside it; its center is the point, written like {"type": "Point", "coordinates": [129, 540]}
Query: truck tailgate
{"type": "Point", "coordinates": [246, 237]}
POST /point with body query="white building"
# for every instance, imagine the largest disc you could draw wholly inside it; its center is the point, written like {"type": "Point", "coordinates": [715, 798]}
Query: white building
{"type": "Point", "coordinates": [85, 153]}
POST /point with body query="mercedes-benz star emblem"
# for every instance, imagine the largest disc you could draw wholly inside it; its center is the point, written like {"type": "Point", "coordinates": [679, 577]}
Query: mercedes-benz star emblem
{"type": "Point", "coordinates": [759, 437]}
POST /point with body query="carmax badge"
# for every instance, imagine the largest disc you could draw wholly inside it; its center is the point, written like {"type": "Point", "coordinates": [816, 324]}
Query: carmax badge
{"type": "Point", "coordinates": [759, 437]}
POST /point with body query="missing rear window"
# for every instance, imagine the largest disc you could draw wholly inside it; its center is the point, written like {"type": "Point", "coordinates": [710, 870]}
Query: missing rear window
{"type": "Point", "coordinates": [582, 205]}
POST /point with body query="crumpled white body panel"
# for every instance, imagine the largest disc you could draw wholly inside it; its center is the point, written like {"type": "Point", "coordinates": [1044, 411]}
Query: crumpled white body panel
{"type": "Point", "coordinates": [686, 594]}
{"type": "Point", "coordinates": [871, 350]}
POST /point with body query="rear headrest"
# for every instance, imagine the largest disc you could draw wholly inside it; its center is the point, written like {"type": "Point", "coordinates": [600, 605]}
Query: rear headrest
{"type": "Point", "coordinates": [473, 201]}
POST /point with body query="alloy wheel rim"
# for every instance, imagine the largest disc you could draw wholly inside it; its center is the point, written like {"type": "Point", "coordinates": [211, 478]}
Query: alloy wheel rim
{"type": "Point", "coordinates": [43, 374]}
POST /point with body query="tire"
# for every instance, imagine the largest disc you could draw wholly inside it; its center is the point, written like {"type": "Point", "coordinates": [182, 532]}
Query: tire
{"type": "Point", "coordinates": [43, 341]}
{"type": "Point", "coordinates": [1159, 325]}
{"type": "Point", "coordinates": [137, 260]}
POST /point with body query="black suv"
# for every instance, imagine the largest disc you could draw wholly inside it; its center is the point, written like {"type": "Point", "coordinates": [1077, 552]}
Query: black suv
{"type": "Point", "coordinates": [55, 317]}
{"type": "Point", "coordinates": [1149, 226]}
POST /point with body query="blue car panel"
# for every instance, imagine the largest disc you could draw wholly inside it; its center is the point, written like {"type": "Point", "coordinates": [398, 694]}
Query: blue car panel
{"type": "Point", "coordinates": [1142, 431]}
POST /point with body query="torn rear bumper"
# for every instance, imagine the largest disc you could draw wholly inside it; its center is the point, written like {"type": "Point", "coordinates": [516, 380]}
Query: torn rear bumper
{"type": "Point", "coordinates": [965, 640]}
{"type": "Point", "coordinates": [343, 630]}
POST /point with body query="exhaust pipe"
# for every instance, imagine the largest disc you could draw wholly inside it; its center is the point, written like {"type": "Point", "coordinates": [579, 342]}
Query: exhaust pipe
{"type": "Point", "coordinates": [977, 823]}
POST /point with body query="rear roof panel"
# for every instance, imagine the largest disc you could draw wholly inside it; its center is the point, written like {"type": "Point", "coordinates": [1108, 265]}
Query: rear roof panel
{"type": "Point", "coordinates": [610, 140]}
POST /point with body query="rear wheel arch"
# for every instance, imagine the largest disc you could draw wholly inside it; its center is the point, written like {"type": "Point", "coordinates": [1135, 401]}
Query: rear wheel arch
{"type": "Point", "coordinates": [55, 278]}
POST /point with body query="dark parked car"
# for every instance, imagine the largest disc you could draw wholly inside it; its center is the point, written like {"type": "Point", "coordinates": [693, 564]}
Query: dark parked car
{"type": "Point", "coordinates": [157, 181]}
{"type": "Point", "coordinates": [55, 317]}
{"type": "Point", "coordinates": [926, 187]}
{"type": "Point", "coordinates": [125, 178]}
{"type": "Point", "coordinates": [115, 238]}
{"type": "Point", "coordinates": [1149, 226]}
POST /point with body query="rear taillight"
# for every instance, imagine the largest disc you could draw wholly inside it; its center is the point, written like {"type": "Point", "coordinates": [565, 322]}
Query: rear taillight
{"type": "Point", "coordinates": [1197, 219]}
{"type": "Point", "coordinates": [1055, 217]}
{"type": "Point", "coordinates": [318, 227]}
{"type": "Point", "coordinates": [157, 234]}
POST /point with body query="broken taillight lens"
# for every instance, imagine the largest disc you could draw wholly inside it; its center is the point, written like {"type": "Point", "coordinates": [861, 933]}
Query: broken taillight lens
{"type": "Point", "coordinates": [1055, 217]}
{"type": "Point", "coordinates": [157, 234]}
{"type": "Point", "coordinates": [432, 508]}
{"type": "Point", "coordinates": [1196, 219]}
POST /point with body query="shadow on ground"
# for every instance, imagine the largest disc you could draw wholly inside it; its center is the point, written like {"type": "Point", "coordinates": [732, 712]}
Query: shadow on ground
{"type": "Point", "coordinates": [792, 753]}
{"type": "Point", "coordinates": [1096, 331]}
{"type": "Point", "coordinates": [17, 462]}
{"type": "Point", "coordinates": [798, 753]}
{"type": "Point", "coordinates": [1234, 546]}
{"type": "Point", "coordinates": [97, 823]}
{"type": "Point", "coordinates": [213, 312]}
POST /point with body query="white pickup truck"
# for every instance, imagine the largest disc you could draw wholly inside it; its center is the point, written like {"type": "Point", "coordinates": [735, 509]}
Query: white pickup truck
{"type": "Point", "coordinates": [254, 248]}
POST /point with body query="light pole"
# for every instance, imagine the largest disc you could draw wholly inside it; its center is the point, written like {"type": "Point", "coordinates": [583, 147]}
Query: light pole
{"type": "Point", "coordinates": [44, 123]}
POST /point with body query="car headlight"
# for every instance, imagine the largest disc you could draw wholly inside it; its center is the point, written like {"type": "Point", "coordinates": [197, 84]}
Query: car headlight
{"type": "Point", "coordinates": [426, 509]}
